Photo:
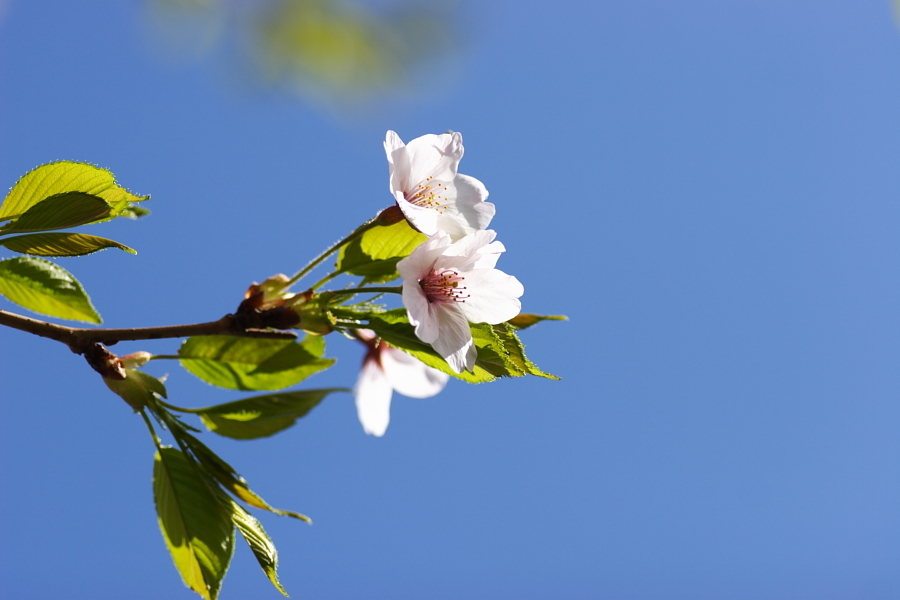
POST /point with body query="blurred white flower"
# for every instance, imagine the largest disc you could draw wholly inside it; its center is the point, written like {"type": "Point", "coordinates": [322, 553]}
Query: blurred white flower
{"type": "Point", "coordinates": [385, 370]}
{"type": "Point", "coordinates": [447, 285]}
{"type": "Point", "coordinates": [429, 191]}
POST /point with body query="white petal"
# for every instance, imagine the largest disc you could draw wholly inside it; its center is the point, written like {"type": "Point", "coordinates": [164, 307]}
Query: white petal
{"type": "Point", "coordinates": [365, 334]}
{"type": "Point", "coordinates": [418, 310]}
{"type": "Point", "coordinates": [470, 196]}
{"type": "Point", "coordinates": [398, 162]}
{"type": "Point", "coordinates": [454, 341]}
{"type": "Point", "coordinates": [392, 142]}
{"type": "Point", "coordinates": [373, 399]}
{"type": "Point", "coordinates": [434, 156]}
{"type": "Point", "coordinates": [493, 296]}
{"type": "Point", "coordinates": [419, 264]}
{"type": "Point", "coordinates": [410, 376]}
{"type": "Point", "coordinates": [421, 218]}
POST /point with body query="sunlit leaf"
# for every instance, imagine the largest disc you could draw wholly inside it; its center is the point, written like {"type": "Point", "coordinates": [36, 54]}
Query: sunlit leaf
{"type": "Point", "coordinates": [244, 363]}
{"type": "Point", "coordinates": [65, 176]}
{"type": "Point", "coordinates": [60, 244]}
{"type": "Point", "coordinates": [60, 212]}
{"type": "Point", "coordinates": [524, 320]}
{"type": "Point", "coordinates": [260, 544]}
{"type": "Point", "coordinates": [262, 416]}
{"type": "Point", "coordinates": [45, 288]}
{"type": "Point", "coordinates": [195, 524]}
{"type": "Point", "coordinates": [230, 479]}
{"type": "Point", "coordinates": [501, 352]}
{"type": "Point", "coordinates": [376, 252]}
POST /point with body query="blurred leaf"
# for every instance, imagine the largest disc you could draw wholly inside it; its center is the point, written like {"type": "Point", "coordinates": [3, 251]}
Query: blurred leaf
{"type": "Point", "coordinates": [341, 49]}
{"type": "Point", "coordinates": [374, 254]}
{"type": "Point", "coordinates": [60, 212]}
{"type": "Point", "coordinates": [243, 363]}
{"type": "Point", "coordinates": [260, 543]}
{"type": "Point", "coordinates": [262, 416]}
{"type": "Point", "coordinates": [60, 178]}
{"type": "Point", "coordinates": [60, 244]}
{"type": "Point", "coordinates": [45, 288]}
{"type": "Point", "coordinates": [133, 211]}
{"type": "Point", "coordinates": [196, 527]}
{"type": "Point", "coordinates": [524, 321]}
{"type": "Point", "coordinates": [230, 479]}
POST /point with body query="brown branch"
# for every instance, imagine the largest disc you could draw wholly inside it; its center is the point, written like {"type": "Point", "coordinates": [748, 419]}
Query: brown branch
{"type": "Point", "coordinates": [79, 339]}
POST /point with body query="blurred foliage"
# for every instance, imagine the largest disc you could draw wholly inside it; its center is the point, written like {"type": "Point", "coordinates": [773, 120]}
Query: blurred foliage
{"type": "Point", "coordinates": [331, 50]}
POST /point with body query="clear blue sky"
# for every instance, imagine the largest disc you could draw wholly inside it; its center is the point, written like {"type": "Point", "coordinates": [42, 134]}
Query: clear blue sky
{"type": "Point", "coordinates": [710, 190]}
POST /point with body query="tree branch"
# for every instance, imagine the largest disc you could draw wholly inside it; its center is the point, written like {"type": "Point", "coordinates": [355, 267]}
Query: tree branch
{"type": "Point", "coordinates": [249, 324]}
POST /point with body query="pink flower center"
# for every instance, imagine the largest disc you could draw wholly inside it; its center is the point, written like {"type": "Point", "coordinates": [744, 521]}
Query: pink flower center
{"type": "Point", "coordinates": [444, 286]}
{"type": "Point", "coordinates": [427, 194]}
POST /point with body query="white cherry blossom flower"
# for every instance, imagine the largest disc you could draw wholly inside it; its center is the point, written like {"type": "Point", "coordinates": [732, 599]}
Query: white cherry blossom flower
{"type": "Point", "coordinates": [386, 370]}
{"type": "Point", "coordinates": [429, 191]}
{"type": "Point", "coordinates": [447, 285]}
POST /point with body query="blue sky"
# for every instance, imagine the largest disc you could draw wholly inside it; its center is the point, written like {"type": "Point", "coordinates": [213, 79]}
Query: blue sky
{"type": "Point", "coordinates": [709, 190]}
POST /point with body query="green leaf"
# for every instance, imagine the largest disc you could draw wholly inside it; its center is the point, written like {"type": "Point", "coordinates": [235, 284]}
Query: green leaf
{"type": "Point", "coordinates": [230, 479]}
{"type": "Point", "coordinates": [374, 254]}
{"type": "Point", "coordinates": [393, 327]}
{"type": "Point", "coordinates": [60, 212]}
{"type": "Point", "coordinates": [45, 288]}
{"type": "Point", "coordinates": [524, 320]}
{"type": "Point", "coordinates": [262, 416]}
{"type": "Point", "coordinates": [65, 176]}
{"type": "Point", "coordinates": [260, 543]}
{"type": "Point", "coordinates": [500, 352]}
{"type": "Point", "coordinates": [196, 527]}
{"type": "Point", "coordinates": [60, 244]}
{"type": "Point", "coordinates": [243, 363]}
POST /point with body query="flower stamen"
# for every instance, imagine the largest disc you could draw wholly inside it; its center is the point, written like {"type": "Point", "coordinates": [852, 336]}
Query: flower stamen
{"type": "Point", "coordinates": [425, 195]}
{"type": "Point", "coordinates": [444, 286]}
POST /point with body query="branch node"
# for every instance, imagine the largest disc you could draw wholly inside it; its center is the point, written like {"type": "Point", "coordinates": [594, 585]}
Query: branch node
{"type": "Point", "coordinates": [104, 362]}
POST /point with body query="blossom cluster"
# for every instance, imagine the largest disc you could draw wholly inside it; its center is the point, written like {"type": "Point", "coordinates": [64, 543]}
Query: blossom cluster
{"type": "Point", "coordinates": [449, 281]}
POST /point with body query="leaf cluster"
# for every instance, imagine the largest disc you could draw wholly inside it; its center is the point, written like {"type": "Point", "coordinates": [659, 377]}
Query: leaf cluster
{"type": "Point", "coordinates": [50, 198]}
{"type": "Point", "coordinates": [200, 498]}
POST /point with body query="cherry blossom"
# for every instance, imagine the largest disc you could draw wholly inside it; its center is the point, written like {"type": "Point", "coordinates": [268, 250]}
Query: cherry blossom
{"type": "Point", "coordinates": [429, 191]}
{"type": "Point", "coordinates": [386, 370]}
{"type": "Point", "coordinates": [447, 285]}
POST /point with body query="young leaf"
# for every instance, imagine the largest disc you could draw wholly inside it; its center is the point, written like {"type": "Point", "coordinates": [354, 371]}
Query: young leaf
{"type": "Point", "coordinates": [229, 478]}
{"type": "Point", "coordinates": [260, 544]}
{"type": "Point", "coordinates": [524, 320]}
{"type": "Point", "coordinates": [376, 252]}
{"type": "Point", "coordinates": [242, 363]}
{"type": "Point", "coordinates": [65, 176]}
{"type": "Point", "coordinates": [61, 211]}
{"type": "Point", "coordinates": [60, 244]}
{"type": "Point", "coordinates": [137, 388]}
{"type": "Point", "coordinates": [45, 288]}
{"type": "Point", "coordinates": [261, 416]}
{"type": "Point", "coordinates": [196, 527]}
